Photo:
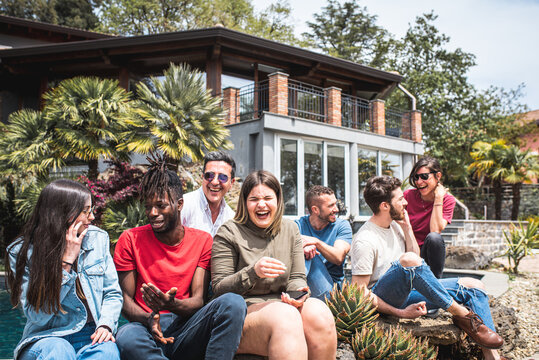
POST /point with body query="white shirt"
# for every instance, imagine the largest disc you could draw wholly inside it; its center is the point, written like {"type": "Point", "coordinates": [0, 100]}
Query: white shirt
{"type": "Point", "coordinates": [374, 248]}
{"type": "Point", "coordinates": [196, 212]}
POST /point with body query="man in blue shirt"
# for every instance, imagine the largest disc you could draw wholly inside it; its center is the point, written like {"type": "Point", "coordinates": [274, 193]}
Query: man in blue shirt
{"type": "Point", "coordinates": [326, 241]}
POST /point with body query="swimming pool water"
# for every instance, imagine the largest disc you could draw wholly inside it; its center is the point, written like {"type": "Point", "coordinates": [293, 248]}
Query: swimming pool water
{"type": "Point", "coordinates": [11, 325]}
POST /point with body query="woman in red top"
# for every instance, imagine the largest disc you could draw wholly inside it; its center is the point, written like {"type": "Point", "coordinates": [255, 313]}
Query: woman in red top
{"type": "Point", "coordinates": [430, 208]}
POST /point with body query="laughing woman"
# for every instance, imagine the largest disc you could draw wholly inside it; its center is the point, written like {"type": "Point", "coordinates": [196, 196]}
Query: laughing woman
{"type": "Point", "coordinates": [430, 208]}
{"type": "Point", "coordinates": [259, 255]}
{"type": "Point", "coordinates": [62, 275]}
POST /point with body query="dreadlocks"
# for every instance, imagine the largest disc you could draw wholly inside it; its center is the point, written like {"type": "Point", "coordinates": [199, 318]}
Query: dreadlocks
{"type": "Point", "coordinates": [160, 180]}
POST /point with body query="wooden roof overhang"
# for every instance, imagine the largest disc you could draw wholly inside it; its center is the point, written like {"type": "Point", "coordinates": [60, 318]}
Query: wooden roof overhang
{"type": "Point", "coordinates": [214, 50]}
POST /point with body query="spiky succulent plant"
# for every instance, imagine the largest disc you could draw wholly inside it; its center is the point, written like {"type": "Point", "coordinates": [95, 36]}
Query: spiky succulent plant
{"type": "Point", "coordinates": [352, 308]}
{"type": "Point", "coordinates": [374, 343]}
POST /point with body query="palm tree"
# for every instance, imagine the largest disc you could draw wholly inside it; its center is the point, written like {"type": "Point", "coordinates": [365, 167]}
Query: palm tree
{"type": "Point", "coordinates": [487, 162]}
{"type": "Point", "coordinates": [89, 113]}
{"type": "Point", "coordinates": [178, 117]}
{"type": "Point", "coordinates": [27, 145]}
{"type": "Point", "coordinates": [517, 166]}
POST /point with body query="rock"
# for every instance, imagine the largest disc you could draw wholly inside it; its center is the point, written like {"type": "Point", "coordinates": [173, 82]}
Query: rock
{"type": "Point", "coordinates": [344, 352]}
{"type": "Point", "coordinates": [466, 257]}
{"type": "Point", "coordinates": [439, 331]}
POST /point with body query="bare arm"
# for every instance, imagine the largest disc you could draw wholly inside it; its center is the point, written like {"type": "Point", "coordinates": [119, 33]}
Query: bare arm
{"type": "Point", "coordinates": [410, 242]}
{"type": "Point", "coordinates": [410, 312]}
{"type": "Point", "coordinates": [335, 254]}
{"type": "Point", "coordinates": [131, 310]}
{"type": "Point", "coordinates": [437, 221]}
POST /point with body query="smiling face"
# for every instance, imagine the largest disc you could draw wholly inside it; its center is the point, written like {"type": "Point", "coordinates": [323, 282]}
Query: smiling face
{"type": "Point", "coordinates": [262, 206]}
{"type": "Point", "coordinates": [427, 187]}
{"type": "Point", "coordinates": [327, 208]}
{"type": "Point", "coordinates": [162, 213]}
{"type": "Point", "coordinates": [86, 216]}
{"type": "Point", "coordinates": [215, 190]}
{"type": "Point", "coordinates": [397, 205]}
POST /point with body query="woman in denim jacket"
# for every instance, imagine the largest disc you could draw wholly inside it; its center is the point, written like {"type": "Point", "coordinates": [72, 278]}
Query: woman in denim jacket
{"type": "Point", "coordinates": [61, 273]}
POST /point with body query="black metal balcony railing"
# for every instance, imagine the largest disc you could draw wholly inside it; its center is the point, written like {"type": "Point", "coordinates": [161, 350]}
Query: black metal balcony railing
{"type": "Point", "coordinates": [252, 100]}
{"type": "Point", "coordinates": [306, 101]}
{"type": "Point", "coordinates": [395, 118]}
{"type": "Point", "coordinates": [310, 102]}
{"type": "Point", "coordinates": [356, 113]}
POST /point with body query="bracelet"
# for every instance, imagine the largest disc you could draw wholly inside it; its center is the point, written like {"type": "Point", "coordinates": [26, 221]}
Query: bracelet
{"type": "Point", "coordinates": [438, 205]}
{"type": "Point", "coordinates": [65, 262]}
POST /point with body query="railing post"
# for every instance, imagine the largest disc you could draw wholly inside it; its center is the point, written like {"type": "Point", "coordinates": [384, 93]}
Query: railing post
{"type": "Point", "coordinates": [415, 125]}
{"type": "Point", "coordinates": [333, 108]}
{"type": "Point", "coordinates": [278, 93]}
{"type": "Point", "coordinates": [379, 117]}
{"type": "Point", "coordinates": [230, 104]}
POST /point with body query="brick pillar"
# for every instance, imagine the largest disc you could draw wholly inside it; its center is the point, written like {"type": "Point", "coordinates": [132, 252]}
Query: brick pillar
{"type": "Point", "coordinates": [379, 117]}
{"type": "Point", "coordinates": [278, 93]}
{"type": "Point", "coordinates": [333, 107]}
{"type": "Point", "coordinates": [230, 96]}
{"type": "Point", "coordinates": [406, 125]}
{"type": "Point", "coordinates": [415, 124]}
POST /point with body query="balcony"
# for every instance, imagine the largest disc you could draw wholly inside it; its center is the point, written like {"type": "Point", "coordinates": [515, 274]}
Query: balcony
{"type": "Point", "coordinates": [284, 96]}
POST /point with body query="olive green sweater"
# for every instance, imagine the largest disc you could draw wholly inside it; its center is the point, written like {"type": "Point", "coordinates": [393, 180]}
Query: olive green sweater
{"type": "Point", "coordinates": [237, 248]}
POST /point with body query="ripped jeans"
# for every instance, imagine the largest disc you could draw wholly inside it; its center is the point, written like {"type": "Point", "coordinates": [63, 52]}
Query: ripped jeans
{"type": "Point", "coordinates": [401, 286]}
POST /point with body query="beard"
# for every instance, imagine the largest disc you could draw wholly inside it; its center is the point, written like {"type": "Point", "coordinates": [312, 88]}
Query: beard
{"type": "Point", "coordinates": [395, 214]}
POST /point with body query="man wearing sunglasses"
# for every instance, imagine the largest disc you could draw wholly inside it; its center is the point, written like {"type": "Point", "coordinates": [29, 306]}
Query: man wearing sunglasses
{"type": "Point", "coordinates": [205, 208]}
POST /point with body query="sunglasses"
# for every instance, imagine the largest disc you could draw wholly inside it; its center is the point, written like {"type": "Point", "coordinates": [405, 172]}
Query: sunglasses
{"type": "Point", "coordinates": [210, 175]}
{"type": "Point", "coordinates": [424, 176]}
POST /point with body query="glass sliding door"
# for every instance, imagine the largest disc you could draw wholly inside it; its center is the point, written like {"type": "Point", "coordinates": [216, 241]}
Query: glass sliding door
{"type": "Point", "coordinates": [336, 164]}
{"type": "Point", "coordinates": [367, 160]}
{"type": "Point", "coordinates": [312, 161]}
{"type": "Point", "coordinates": [391, 164]}
{"type": "Point", "coordinates": [289, 175]}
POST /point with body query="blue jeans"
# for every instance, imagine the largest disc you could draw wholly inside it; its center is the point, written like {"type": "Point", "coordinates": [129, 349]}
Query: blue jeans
{"type": "Point", "coordinates": [318, 278]}
{"type": "Point", "coordinates": [75, 346]}
{"type": "Point", "coordinates": [213, 332]}
{"type": "Point", "coordinates": [401, 286]}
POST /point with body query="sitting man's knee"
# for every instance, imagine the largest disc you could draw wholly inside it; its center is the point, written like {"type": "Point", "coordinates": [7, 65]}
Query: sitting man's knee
{"type": "Point", "coordinates": [410, 259]}
{"type": "Point", "coordinates": [471, 283]}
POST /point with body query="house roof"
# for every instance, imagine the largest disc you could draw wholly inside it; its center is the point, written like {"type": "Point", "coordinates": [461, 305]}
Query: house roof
{"type": "Point", "coordinates": [44, 31]}
{"type": "Point", "coordinates": [239, 53]}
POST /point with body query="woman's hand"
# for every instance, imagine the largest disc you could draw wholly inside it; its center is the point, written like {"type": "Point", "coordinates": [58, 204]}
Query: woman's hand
{"type": "Point", "coordinates": [102, 334]}
{"type": "Point", "coordinates": [268, 267]}
{"type": "Point", "coordinates": [73, 243]}
{"type": "Point", "coordinates": [439, 193]}
{"type": "Point", "coordinates": [295, 303]}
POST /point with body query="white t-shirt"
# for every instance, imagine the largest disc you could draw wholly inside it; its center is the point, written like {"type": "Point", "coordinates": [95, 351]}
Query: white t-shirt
{"type": "Point", "coordinates": [374, 248]}
{"type": "Point", "coordinates": [196, 212]}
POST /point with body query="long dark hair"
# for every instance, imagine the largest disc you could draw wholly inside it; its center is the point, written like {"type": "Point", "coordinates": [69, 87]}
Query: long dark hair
{"type": "Point", "coordinates": [429, 162]}
{"type": "Point", "coordinates": [58, 206]}
{"type": "Point", "coordinates": [260, 177]}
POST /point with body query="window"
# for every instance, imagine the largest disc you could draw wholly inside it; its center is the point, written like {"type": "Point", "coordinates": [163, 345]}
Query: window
{"type": "Point", "coordinates": [289, 175]}
{"type": "Point", "coordinates": [312, 161]}
{"type": "Point", "coordinates": [336, 160]}
{"type": "Point", "coordinates": [367, 167]}
{"type": "Point", "coordinates": [391, 164]}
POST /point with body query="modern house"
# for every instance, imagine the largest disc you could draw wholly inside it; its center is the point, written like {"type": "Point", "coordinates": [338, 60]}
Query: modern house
{"type": "Point", "coordinates": [308, 118]}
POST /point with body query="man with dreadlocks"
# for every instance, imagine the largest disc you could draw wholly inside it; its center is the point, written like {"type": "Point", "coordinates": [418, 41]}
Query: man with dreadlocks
{"type": "Point", "coordinates": [164, 272]}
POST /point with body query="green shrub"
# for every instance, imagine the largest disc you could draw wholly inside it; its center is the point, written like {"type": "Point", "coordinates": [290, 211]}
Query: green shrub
{"type": "Point", "coordinates": [119, 217]}
{"type": "Point", "coordinates": [520, 241]}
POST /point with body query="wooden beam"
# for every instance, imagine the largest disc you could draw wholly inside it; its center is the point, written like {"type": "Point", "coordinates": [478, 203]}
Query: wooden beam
{"type": "Point", "coordinates": [123, 78]}
{"type": "Point", "coordinates": [214, 69]}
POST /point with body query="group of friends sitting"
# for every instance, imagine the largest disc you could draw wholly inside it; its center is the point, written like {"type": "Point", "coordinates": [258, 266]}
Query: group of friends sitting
{"type": "Point", "coordinates": [201, 281]}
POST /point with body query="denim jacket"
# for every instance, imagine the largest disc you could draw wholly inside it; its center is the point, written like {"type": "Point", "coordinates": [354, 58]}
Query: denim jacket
{"type": "Point", "coordinates": [99, 282]}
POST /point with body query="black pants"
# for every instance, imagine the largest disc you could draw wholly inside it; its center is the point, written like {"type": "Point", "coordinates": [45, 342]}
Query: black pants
{"type": "Point", "coordinates": [433, 251]}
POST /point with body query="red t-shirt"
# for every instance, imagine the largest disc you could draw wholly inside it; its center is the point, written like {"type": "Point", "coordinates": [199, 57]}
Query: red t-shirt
{"type": "Point", "coordinates": [163, 265]}
{"type": "Point", "coordinates": [419, 212]}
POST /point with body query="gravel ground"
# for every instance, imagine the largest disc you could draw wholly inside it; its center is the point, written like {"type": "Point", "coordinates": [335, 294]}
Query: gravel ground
{"type": "Point", "coordinates": [523, 297]}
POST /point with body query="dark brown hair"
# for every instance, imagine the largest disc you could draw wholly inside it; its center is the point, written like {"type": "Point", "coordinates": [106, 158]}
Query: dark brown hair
{"type": "Point", "coordinates": [378, 190]}
{"type": "Point", "coordinates": [159, 179]}
{"type": "Point", "coordinates": [429, 162]}
{"type": "Point", "coordinates": [314, 193]}
{"type": "Point", "coordinates": [260, 177]}
{"type": "Point", "coordinates": [44, 238]}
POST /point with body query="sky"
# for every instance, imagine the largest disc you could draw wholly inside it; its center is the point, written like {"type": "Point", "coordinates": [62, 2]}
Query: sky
{"type": "Point", "coordinates": [502, 34]}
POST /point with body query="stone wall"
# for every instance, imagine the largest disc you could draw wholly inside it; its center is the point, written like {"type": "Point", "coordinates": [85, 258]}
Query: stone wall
{"type": "Point", "coordinates": [486, 235]}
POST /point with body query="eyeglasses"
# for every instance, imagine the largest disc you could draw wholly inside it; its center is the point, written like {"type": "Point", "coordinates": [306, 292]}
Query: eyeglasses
{"type": "Point", "coordinates": [424, 176]}
{"type": "Point", "coordinates": [210, 175]}
{"type": "Point", "coordinates": [89, 211]}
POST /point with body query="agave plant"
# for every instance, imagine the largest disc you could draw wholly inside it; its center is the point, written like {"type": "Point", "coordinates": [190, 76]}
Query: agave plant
{"type": "Point", "coordinates": [352, 309]}
{"type": "Point", "coordinates": [372, 343]}
{"type": "Point", "coordinates": [375, 343]}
